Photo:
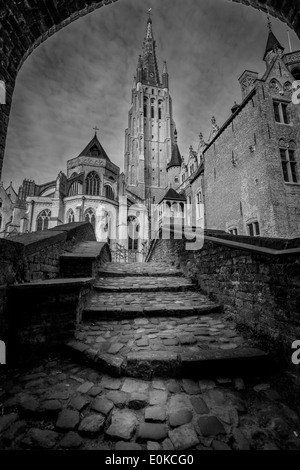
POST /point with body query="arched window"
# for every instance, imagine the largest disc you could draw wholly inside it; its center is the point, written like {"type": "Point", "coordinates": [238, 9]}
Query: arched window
{"type": "Point", "coordinates": [74, 189]}
{"type": "Point", "coordinates": [70, 217]}
{"type": "Point", "coordinates": [133, 233]}
{"type": "Point", "coordinates": [42, 221]}
{"type": "Point", "coordinates": [296, 73]}
{"type": "Point", "coordinates": [93, 184]}
{"type": "Point", "coordinates": [109, 192]}
{"type": "Point", "coordinates": [90, 217]}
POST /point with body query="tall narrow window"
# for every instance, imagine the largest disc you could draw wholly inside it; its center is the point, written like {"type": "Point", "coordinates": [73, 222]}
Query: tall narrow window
{"type": "Point", "coordinates": [152, 112]}
{"type": "Point", "coordinates": [93, 184]}
{"type": "Point", "coordinates": [159, 113]}
{"type": "Point", "coordinates": [42, 221]}
{"type": "Point", "coordinates": [109, 192]}
{"type": "Point", "coordinates": [253, 229]}
{"type": "Point", "coordinates": [90, 217]}
{"type": "Point", "coordinates": [281, 112]}
{"type": "Point", "coordinates": [70, 217]}
{"type": "Point", "coordinates": [289, 164]}
{"type": "Point", "coordinates": [145, 110]}
{"type": "Point", "coordinates": [0, 221]}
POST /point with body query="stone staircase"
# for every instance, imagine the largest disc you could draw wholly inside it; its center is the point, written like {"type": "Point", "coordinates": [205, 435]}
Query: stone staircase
{"type": "Point", "coordinates": [146, 320]}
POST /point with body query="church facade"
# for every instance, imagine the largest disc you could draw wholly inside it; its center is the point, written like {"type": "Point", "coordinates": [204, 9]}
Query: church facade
{"type": "Point", "coordinates": [244, 179]}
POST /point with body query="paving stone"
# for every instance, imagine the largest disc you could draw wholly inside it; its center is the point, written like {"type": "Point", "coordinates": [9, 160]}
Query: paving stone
{"type": "Point", "coordinates": [71, 441]}
{"type": "Point", "coordinates": [158, 397]}
{"type": "Point", "coordinates": [79, 403]}
{"type": "Point", "coordinates": [210, 426]}
{"type": "Point", "coordinates": [184, 437]}
{"type": "Point", "coordinates": [167, 445]}
{"type": "Point", "coordinates": [191, 387]}
{"type": "Point", "coordinates": [102, 405]}
{"type": "Point", "coordinates": [180, 417]}
{"type": "Point", "coordinates": [68, 420]}
{"type": "Point", "coordinates": [134, 386]}
{"type": "Point", "coordinates": [115, 348]}
{"type": "Point", "coordinates": [239, 384]}
{"type": "Point", "coordinates": [152, 432]}
{"type": "Point", "coordinates": [158, 385]}
{"type": "Point", "coordinates": [13, 432]}
{"type": "Point", "coordinates": [155, 414]}
{"type": "Point", "coordinates": [187, 339]}
{"type": "Point", "coordinates": [153, 446]}
{"type": "Point", "coordinates": [241, 442]}
{"type": "Point", "coordinates": [92, 424]}
{"type": "Point", "coordinates": [137, 401]}
{"type": "Point", "coordinates": [261, 387]}
{"type": "Point", "coordinates": [85, 387]}
{"type": "Point", "coordinates": [51, 407]}
{"type": "Point", "coordinates": [111, 383]}
{"type": "Point", "coordinates": [119, 399]}
{"type": "Point", "coordinates": [173, 386]}
{"type": "Point", "coordinates": [123, 425]}
{"type": "Point", "coordinates": [64, 395]}
{"type": "Point", "coordinates": [199, 406]}
{"type": "Point", "coordinates": [127, 446]}
{"type": "Point", "coordinates": [218, 445]}
{"type": "Point", "coordinates": [7, 420]}
{"type": "Point", "coordinates": [206, 385]}
{"type": "Point", "coordinates": [95, 391]}
{"type": "Point", "coordinates": [228, 346]}
{"type": "Point", "coordinates": [30, 405]}
{"type": "Point", "coordinates": [43, 439]}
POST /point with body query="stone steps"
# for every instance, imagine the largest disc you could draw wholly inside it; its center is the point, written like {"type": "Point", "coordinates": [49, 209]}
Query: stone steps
{"type": "Point", "coordinates": [138, 269]}
{"type": "Point", "coordinates": [144, 284]}
{"type": "Point", "coordinates": [148, 365]}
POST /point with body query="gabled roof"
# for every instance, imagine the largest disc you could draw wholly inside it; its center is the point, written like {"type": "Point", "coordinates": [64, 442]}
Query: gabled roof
{"type": "Point", "coordinates": [94, 145]}
{"type": "Point", "coordinates": [272, 43]}
{"type": "Point", "coordinates": [173, 195]}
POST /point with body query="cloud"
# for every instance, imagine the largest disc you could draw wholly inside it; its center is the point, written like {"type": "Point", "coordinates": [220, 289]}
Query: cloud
{"type": "Point", "coordinates": [82, 77]}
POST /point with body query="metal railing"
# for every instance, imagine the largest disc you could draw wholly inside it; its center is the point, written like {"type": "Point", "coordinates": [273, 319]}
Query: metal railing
{"type": "Point", "coordinates": [123, 255]}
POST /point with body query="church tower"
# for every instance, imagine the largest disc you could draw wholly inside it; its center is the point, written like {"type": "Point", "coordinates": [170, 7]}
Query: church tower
{"type": "Point", "coordinates": [150, 136]}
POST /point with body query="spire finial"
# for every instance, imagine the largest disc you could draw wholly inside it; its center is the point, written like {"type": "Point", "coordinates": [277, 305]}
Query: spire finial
{"type": "Point", "coordinates": [96, 129]}
{"type": "Point", "coordinates": [150, 14]}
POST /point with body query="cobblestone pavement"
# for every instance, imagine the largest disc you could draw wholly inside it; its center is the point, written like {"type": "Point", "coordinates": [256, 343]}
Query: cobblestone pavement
{"type": "Point", "coordinates": [144, 283]}
{"type": "Point", "coordinates": [161, 301]}
{"type": "Point", "coordinates": [141, 269]}
{"type": "Point", "coordinates": [170, 334]}
{"type": "Point", "coordinates": [63, 405]}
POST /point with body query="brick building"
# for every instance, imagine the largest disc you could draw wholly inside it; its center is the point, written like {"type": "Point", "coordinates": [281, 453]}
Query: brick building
{"type": "Point", "coordinates": [248, 173]}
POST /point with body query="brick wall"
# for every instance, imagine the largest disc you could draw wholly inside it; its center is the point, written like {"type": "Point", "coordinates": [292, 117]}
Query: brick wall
{"type": "Point", "coordinates": [261, 291]}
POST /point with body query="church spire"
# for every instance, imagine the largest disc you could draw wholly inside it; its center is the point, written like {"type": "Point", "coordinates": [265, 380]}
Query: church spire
{"type": "Point", "coordinates": [273, 45]}
{"type": "Point", "coordinates": [150, 68]}
{"type": "Point", "coordinates": [165, 76]}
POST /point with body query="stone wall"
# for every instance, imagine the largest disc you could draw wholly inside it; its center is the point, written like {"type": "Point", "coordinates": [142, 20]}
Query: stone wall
{"type": "Point", "coordinates": [25, 25]}
{"type": "Point", "coordinates": [260, 289]}
{"type": "Point", "coordinates": [35, 256]}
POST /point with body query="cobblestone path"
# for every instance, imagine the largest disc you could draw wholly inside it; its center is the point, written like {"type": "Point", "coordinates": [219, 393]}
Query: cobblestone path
{"type": "Point", "coordinates": [146, 321]}
{"type": "Point", "coordinates": [62, 405]}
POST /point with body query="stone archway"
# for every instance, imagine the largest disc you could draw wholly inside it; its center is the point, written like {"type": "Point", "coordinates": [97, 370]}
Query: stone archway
{"type": "Point", "coordinates": [25, 25]}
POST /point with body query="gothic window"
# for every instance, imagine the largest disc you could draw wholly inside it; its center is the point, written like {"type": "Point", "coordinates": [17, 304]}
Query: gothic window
{"type": "Point", "coordinates": [296, 73]}
{"type": "Point", "coordinates": [133, 175]}
{"type": "Point", "coordinates": [133, 233]}
{"type": "Point", "coordinates": [109, 192]}
{"type": "Point", "coordinates": [281, 112]}
{"type": "Point", "coordinates": [42, 221]}
{"type": "Point", "coordinates": [287, 87]}
{"type": "Point", "coordinates": [288, 161]}
{"type": "Point", "coordinates": [90, 217]}
{"type": "Point", "coordinates": [253, 229]}
{"type": "Point", "coordinates": [74, 189]}
{"type": "Point", "coordinates": [93, 184]}
{"type": "Point", "coordinates": [70, 217]}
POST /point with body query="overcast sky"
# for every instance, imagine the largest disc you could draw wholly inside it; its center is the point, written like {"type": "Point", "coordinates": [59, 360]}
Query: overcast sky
{"type": "Point", "coordinates": [82, 77]}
